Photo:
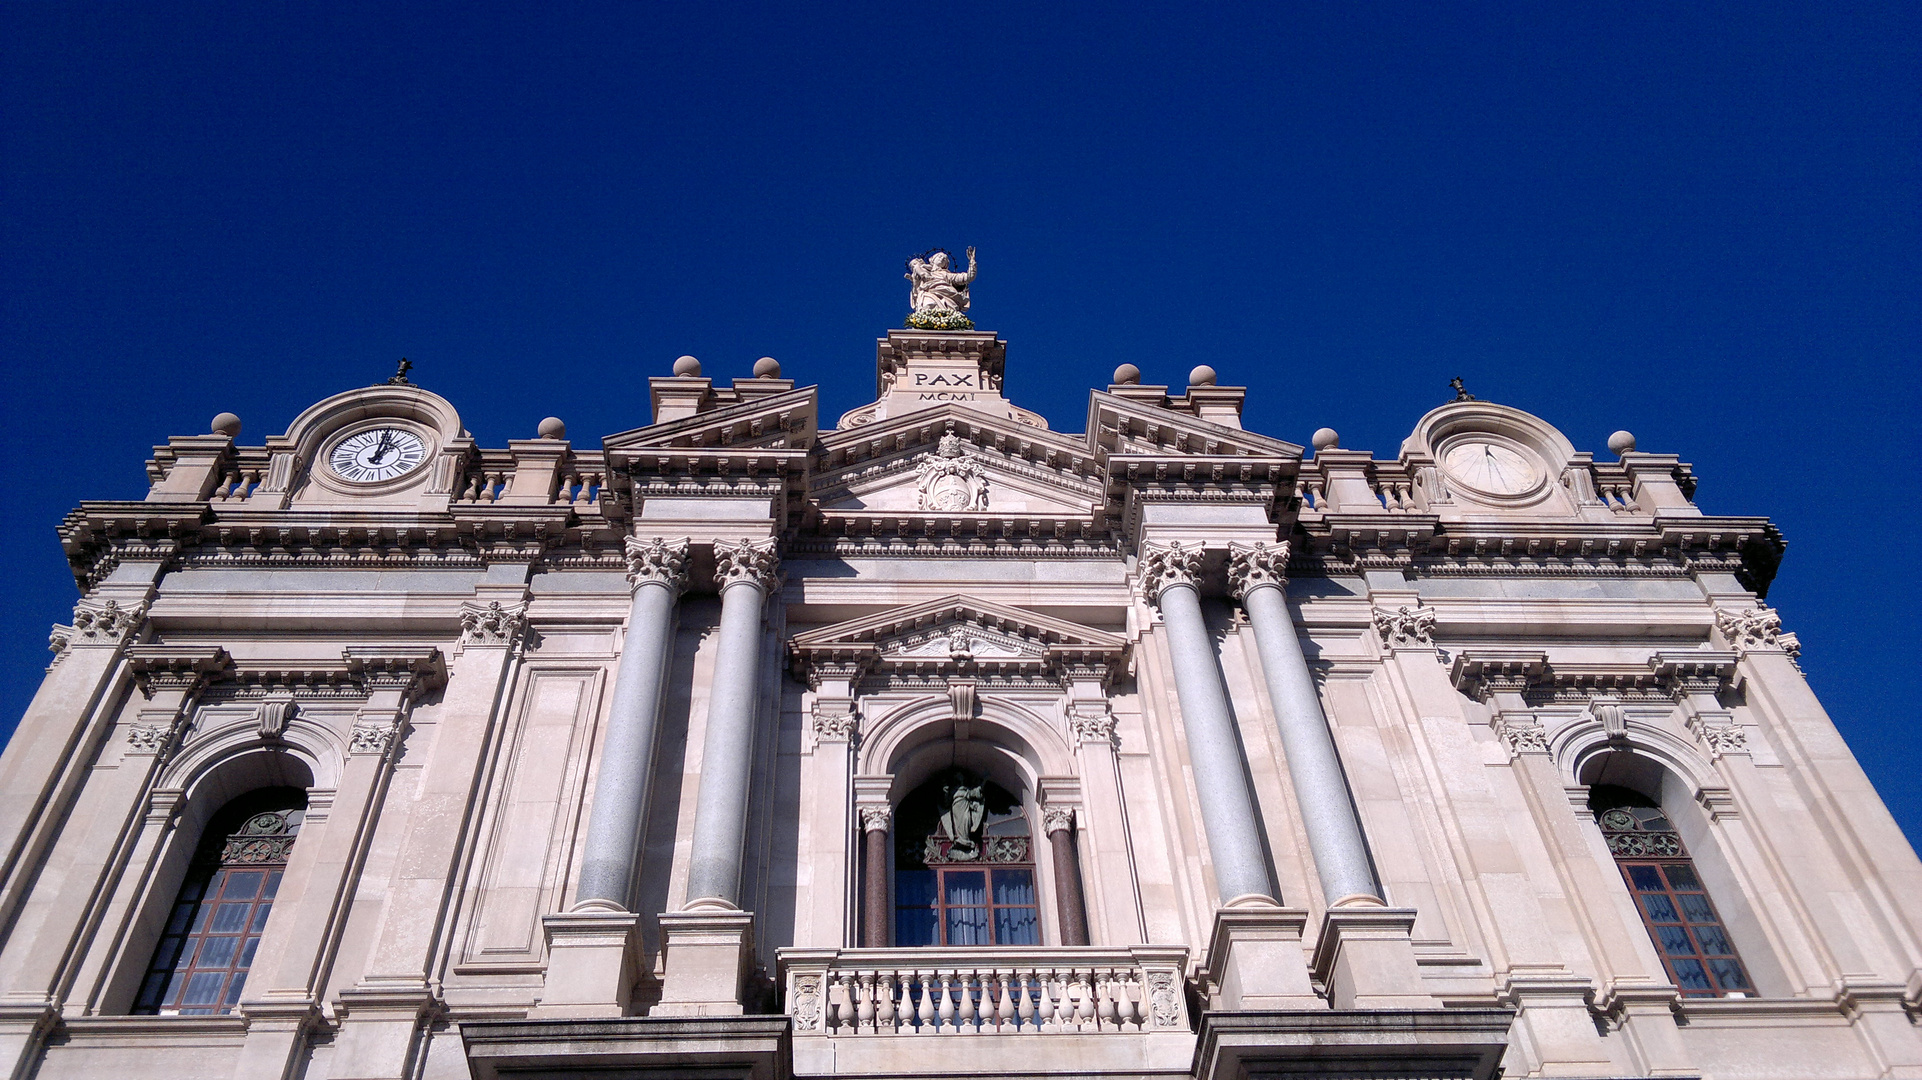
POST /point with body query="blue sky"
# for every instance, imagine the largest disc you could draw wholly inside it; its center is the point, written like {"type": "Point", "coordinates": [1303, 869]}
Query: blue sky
{"type": "Point", "coordinates": [1698, 222]}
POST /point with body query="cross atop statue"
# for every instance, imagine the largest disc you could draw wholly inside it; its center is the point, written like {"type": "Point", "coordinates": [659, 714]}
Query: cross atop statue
{"type": "Point", "coordinates": [937, 294]}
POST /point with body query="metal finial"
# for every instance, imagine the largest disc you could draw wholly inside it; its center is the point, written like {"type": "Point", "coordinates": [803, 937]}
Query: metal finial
{"type": "Point", "coordinates": [400, 376]}
{"type": "Point", "coordinates": [1461, 392]}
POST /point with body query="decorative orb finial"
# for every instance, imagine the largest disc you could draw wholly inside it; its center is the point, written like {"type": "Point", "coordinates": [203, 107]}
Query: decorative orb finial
{"type": "Point", "coordinates": [552, 428]}
{"type": "Point", "coordinates": [1325, 439]}
{"type": "Point", "coordinates": [767, 367]}
{"type": "Point", "coordinates": [1202, 376]}
{"type": "Point", "coordinates": [1127, 375]}
{"type": "Point", "coordinates": [226, 424]}
{"type": "Point", "coordinates": [1621, 443]}
{"type": "Point", "coordinates": [687, 367]}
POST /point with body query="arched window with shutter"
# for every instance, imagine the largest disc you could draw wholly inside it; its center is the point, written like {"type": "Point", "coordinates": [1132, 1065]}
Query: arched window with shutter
{"type": "Point", "coordinates": [201, 963]}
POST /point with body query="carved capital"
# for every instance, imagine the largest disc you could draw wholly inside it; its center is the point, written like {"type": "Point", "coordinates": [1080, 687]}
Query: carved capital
{"type": "Point", "coordinates": [876, 817]}
{"type": "Point", "coordinates": [95, 622]}
{"type": "Point", "coordinates": [1163, 565]}
{"type": "Point", "coordinates": [1092, 722]}
{"type": "Point", "coordinates": [835, 721]}
{"type": "Point", "coordinates": [1251, 566]}
{"type": "Point", "coordinates": [1522, 737]}
{"type": "Point", "coordinates": [658, 561]}
{"type": "Point", "coordinates": [1723, 739]}
{"type": "Point", "coordinates": [492, 623]}
{"type": "Point", "coordinates": [375, 736]}
{"type": "Point", "coordinates": [1057, 818]}
{"type": "Point", "coordinates": [1756, 628]}
{"type": "Point", "coordinates": [755, 562]}
{"type": "Point", "coordinates": [156, 739]}
{"type": "Point", "coordinates": [1406, 627]}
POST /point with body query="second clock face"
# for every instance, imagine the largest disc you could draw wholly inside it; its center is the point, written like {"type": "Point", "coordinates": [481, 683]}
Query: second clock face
{"type": "Point", "coordinates": [369, 457]}
{"type": "Point", "coordinates": [1492, 468]}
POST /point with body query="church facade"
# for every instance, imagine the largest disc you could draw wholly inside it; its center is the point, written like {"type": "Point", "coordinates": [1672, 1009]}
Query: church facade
{"type": "Point", "coordinates": [930, 741]}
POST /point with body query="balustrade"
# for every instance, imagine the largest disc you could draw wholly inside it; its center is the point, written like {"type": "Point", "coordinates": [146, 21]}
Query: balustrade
{"type": "Point", "coordinates": [867, 992]}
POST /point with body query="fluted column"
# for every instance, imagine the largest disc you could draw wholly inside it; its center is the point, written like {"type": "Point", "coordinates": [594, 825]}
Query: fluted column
{"type": "Point", "coordinates": [1214, 747]}
{"type": "Point", "coordinates": [1257, 575]}
{"type": "Point", "coordinates": [875, 820]}
{"type": "Point", "coordinates": [1070, 909]}
{"type": "Point", "coordinates": [745, 572]}
{"type": "Point", "coordinates": [657, 571]}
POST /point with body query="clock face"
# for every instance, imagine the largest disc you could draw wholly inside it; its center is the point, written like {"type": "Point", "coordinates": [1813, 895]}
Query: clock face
{"type": "Point", "coordinates": [1492, 468]}
{"type": "Point", "coordinates": [369, 457]}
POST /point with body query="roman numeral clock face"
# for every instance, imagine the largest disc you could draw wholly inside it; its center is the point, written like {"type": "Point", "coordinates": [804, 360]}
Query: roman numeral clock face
{"type": "Point", "coordinates": [378, 454]}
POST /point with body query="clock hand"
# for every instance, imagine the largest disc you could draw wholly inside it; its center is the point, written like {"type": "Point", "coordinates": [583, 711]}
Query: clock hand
{"type": "Point", "coordinates": [381, 448]}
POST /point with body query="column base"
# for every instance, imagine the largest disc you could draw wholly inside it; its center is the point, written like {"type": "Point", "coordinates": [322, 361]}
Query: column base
{"type": "Point", "coordinates": [593, 962]}
{"type": "Point", "coordinates": [1255, 959]}
{"type": "Point", "coordinates": [707, 954]}
{"type": "Point", "coordinates": [1366, 959]}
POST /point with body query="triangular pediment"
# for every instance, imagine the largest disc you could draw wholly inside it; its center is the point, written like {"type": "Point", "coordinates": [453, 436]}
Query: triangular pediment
{"type": "Point", "coordinates": [957, 634]}
{"type": "Point", "coordinates": [948, 460]}
{"type": "Point", "coordinates": [780, 421]}
{"type": "Point", "coordinates": [1123, 427]}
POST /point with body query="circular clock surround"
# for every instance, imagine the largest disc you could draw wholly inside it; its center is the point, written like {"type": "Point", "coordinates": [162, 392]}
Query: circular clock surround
{"type": "Point", "coordinates": [376, 454]}
{"type": "Point", "coordinates": [1492, 466]}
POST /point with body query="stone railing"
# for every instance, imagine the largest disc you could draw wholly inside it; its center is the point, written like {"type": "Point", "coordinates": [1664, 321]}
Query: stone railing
{"type": "Point", "coordinates": [239, 480]}
{"type": "Point", "coordinates": [984, 991]}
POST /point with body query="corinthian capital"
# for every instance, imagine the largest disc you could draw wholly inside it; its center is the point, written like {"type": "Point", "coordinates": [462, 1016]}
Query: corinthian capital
{"type": "Point", "coordinates": [1162, 565]}
{"type": "Point", "coordinates": [754, 561]}
{"type": "Point", "coordinates": [1251, 566]}
{"type": "Point", "coordinates": [657, 560]}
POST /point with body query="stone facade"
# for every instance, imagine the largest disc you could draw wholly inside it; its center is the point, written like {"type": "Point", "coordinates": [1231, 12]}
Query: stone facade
{"type": "Point", "coordinates": [634, 758]}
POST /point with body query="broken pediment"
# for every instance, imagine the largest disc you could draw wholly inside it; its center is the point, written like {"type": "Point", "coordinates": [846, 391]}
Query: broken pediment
{"type": "Point", "coordinates": [955, 635]}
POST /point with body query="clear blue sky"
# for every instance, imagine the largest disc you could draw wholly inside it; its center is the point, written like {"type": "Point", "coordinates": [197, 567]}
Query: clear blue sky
{"type": "Point", "coordinates": [1700, 223]}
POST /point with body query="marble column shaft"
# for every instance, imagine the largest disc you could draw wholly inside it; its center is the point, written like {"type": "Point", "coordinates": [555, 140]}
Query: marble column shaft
{"type": "Point", "coordinates": [1214, 746]}
{"type": "Point", "coordinates": [746, 575]}
{"type": "Point", "coordinates": [624, 778]}
{"type": "Point", "coordinates": [874, 877]}
{"type": "Point", "coordinates": [1071, 908]}
{"type": "Point", "coordinates": [1321, 788]}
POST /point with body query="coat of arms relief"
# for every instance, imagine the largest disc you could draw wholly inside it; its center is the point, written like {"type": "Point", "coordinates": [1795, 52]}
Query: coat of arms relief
{"type": "Point", "coordinates": [951, 480]}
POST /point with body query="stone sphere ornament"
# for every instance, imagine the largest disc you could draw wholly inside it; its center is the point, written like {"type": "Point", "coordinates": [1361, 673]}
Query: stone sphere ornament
{"type": "Point", "coordinates": [767, 367]}
{"type": "Point", "coordinates": [1127, 375]}
{"type": "Point", "coordinates": [1621, 443]}
{"type": "Point", "coordinates": [1202, 376]}
{"type": "Point", "coordinates": [226, 424]}
{"type": "Point", "coordinates": [1325, 439]}
{"type": "Point", "coordinates": [551, 428]}
{"type": "Point", "coordinates": [687, 367]}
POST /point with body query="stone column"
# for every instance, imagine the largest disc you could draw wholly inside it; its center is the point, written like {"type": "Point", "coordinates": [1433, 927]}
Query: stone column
{"type": "Point", "coordinates": [1254, 952]}
{"type": "Point", "coordinates": [709, 943]}
{"type": "Point", "coordinates": [1257, 574]}
{"type": "Point", "coordinates": [593, 948]}
{"type": "Point", "coordinates": [1214, 747]}
{"type": "Point", "coordinates": [657, 571]}
{"type": "Point", "coordinates": [1070, 910]}
{"type": "Point", "coordinates": [875, 820]}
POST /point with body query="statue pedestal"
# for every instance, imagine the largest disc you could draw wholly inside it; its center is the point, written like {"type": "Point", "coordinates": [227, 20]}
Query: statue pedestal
{"type": "Point", "coordinates": [593, 962]}
{"type": "Point", "coordinates": [1366, 960]}
{"type": "Point", "coordinates": [706, 954]}
{"type": "Point", "coordinates": [1255, 959]}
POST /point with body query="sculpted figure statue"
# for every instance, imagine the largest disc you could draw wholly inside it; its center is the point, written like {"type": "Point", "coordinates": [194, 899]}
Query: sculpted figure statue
{"type": "Point", "coordinates": [939, 295]}
{"type": "Point", "coordinates": [966, 812]}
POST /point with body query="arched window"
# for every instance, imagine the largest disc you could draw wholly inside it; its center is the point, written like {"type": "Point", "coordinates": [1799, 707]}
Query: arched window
{"type": "Point", "coordinates": [964, 865]}
{"type": "Point", "coordinates": [201, 963]}
{"type": "Point", "coordinates": [1673, 902]}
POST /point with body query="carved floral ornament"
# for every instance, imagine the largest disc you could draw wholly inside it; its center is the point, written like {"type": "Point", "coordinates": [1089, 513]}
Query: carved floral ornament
{"type": "Point", "coordinates": [492, 623]}
{"type": "Point", "coordinates": [1412, 627]}
{"type": "Point", "coordinates": [1164, 565]}
{"type": "Point", "coordinates": [1756, 628]}
{"type": "Point", "coordinates": [1251, 566]}
{"type": "Point", "coordinates": [656, 560]}
{"type": "Point", "coordinates": [755, 562]}
{"type": "Point", "coordinates": [95, 622]}
{"type": "Point", "coordinates": [375, 736]}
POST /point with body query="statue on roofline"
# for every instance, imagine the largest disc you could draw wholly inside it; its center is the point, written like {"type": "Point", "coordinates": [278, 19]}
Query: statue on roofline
{"type": "Point", "coordinates": [939, 295]}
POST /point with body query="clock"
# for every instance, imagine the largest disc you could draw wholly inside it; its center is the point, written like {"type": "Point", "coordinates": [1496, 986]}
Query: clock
{"type": "Point", "coordinates": [1492, 468]}
{"type": "Point", "coordinates": [377, 454]}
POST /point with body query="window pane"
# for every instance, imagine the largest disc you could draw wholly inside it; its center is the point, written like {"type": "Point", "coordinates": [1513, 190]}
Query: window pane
{"type": "Point", "coordinates": [1730, 975]}
{"type": "Point", "coordinates": [169, 952]}
{"type": "Point", "coordinates": [1016, 926]}
{"type": "Point", "coordinates": [216, 952]}
{"type": "Point", "coordinates": [203, 988]}
{"type": "Point", "coordinates": [1014, 887]}
{"type": "Point", "coordinates": [273, 886]}
{"type": "Point", "coordinates": [260, 918]}
{"type": "Point", "coordinates": [242, 885]}
{"type": "Point", "coordinates": [233, 989]}
{"type": "Point", "coordinates": [1713, 941]}
{"type": "Point", "coordinates": [1690, 975]}
{"type": "Point", "coordinates": [174, 986]}
{"type": "Point", "coordinates": [229, 918]}
{"type": "Point", "coordinates": [247, 953]}
{"type": "Point", "coordinates": [1659, 907]}
{"type": "Point", "coordinates": [1644, 876]}
{"type": "Point", "coordinates": [916, 926]}
{"type": "Point", "coordinates": [1674, 940]}
{"type": "Point", "coordinates": [968, 926]}
{"type": "Point", "coordinates": [965, 887]}
{"type": "Point", "coordinates": [1682, 877]}
{"type": "Point", "coordinates": [914, 888]}
{"type": "Point", "coordinates": [1696, 906]}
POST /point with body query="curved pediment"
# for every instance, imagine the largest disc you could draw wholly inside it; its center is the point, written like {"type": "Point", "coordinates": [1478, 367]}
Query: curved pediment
{"type": "Point", "coordinates": [955, 635]}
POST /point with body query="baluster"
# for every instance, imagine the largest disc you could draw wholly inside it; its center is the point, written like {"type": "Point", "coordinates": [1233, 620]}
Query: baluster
{"type": "Point", "coordinates": [1044, 1005]}
{"type": "Point", "coordinates": [1084, 1001]}
{"type": "Point", "coordinates": [1130, 1006]}
{"type": "Point", "coordinates": [844, 1012]}
{"type": "Point", "coordinates": [864, 1011]}
{"type": "Point", "coordinates": [1104, 986]}
{"type": "Point", "coordinates": [1024, 1001]}
{"type": "Point", "coordinates": [1063, 1004]}
{"type": "Point", "coordinates": [924, 1016]}
{"type": "Point", "coordinates": [884, 1012]}
{"type": "Point", "coordinates": [1004, 1008]}
{"type": "Point", "coordinates": [945, 1010]}
{"type": "Point", "coordinates": [965, 1018]}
